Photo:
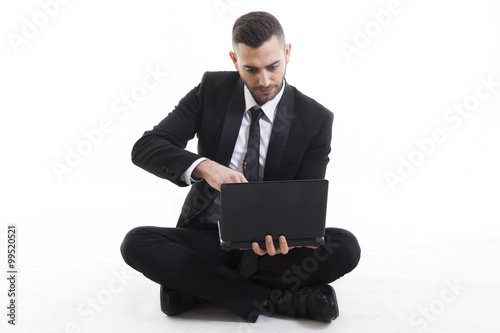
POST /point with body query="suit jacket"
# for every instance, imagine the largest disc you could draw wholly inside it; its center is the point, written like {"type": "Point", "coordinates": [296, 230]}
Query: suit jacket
{"type": "Point", "coordinates": [298, 148]}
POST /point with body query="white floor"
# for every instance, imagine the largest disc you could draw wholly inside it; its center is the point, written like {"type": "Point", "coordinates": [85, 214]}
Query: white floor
{"type": "Point", "coordinates": [448, 287]}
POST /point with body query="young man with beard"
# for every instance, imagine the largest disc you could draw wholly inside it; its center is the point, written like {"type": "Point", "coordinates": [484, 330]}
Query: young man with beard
{"type": "Point", "coordinates": [293, 144]}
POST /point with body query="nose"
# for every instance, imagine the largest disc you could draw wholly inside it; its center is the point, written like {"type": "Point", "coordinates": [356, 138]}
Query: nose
{"type": "Point", "coordinates": [264, 80]}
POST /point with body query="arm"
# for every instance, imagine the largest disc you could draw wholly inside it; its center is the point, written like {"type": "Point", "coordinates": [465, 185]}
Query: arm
{"type": "Point", "coordinates": [216, 174]}
{"type": "Point", "coordinates": [161, 151]}
{"type": "Point", "coordinates": [315, 160]}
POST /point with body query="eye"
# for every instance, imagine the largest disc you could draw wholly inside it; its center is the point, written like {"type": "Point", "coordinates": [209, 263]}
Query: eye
{"type": "Point", "coordinates": [273, 68]}
{"type": "Point", "coordinates": [250, 70]}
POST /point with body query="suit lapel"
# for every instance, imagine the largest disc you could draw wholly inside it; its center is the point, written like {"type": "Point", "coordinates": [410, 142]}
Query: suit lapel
{"type": "Point", "coordinates": [281, 128]}
{"type": "Point", "coordinates": [232, 124]}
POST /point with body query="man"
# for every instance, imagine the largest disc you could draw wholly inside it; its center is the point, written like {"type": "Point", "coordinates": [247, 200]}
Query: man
{"type": "Point", "coordinates": [293, 142]}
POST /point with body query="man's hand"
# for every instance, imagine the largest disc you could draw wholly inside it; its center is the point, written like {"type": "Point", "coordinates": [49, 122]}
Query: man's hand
{"type": "Point", "coordinates": [271, 250]}
{"type": "Point", "coordinates": [216, 174]}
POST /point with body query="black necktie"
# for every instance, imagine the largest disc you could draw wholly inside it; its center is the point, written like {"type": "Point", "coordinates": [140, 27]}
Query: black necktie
{"type": "Point", "coordinates": [253, 154]}
{"type": "Point", "coordinates": [249, 259]}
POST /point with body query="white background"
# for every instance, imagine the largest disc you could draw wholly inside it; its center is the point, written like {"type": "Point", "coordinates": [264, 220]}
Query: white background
{"type": "Point", "coordinates": [64, 79]}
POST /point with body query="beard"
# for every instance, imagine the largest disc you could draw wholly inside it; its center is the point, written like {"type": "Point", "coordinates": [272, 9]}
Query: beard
{"type": "Point", "coordinates": [261, 94]}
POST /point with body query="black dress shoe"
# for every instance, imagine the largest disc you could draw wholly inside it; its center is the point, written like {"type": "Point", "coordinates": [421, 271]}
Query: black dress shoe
{"type": "Point", "coordinates": [318, 303]}
{"type": "Point", "coordinates": [173, 303]}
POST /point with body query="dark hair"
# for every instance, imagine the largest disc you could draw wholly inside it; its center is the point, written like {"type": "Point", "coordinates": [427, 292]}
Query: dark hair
{"type": "Point", "coordinates": [255, 28]}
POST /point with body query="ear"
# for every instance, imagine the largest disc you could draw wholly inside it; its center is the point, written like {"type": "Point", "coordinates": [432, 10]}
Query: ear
{"type": "Point", "coordinates": [288, 48]}
{"type": "Point", "coordinates": [233, 57]}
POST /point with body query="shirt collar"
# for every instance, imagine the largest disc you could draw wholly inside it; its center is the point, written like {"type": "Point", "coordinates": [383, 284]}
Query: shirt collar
{"type": "Point", "coordinates": [269, 108]}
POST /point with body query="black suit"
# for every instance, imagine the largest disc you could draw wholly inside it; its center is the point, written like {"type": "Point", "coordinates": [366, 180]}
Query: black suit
{"type": "Point", "coordinates": [298, 149]}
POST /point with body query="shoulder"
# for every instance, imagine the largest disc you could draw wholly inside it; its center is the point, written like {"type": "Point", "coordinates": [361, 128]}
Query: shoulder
{"type": "Point", "coordinates": [218, 87]}
{"type": "Point", "coordinates": [220, 79]}
{"type": "Point", "coordinates": [306, 105]}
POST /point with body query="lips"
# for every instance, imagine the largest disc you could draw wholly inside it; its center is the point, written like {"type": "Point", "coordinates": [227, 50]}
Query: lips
{"type": "Point", "coordinates": [266, 91]}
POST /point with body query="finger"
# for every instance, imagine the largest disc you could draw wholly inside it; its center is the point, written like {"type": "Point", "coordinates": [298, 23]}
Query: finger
{"type": "Point", "coordinates": [256, 248]}
{"type": "Point", "coordinates": [242, 178]}
{"type": "Point", "coordinates": [311, 247]}
{"type": "Point", "coordinates": [234, 177]}
{"type": "Point", "coordinates": [283, 244]}
{"type": "Point", "coordinates": [271, 250]}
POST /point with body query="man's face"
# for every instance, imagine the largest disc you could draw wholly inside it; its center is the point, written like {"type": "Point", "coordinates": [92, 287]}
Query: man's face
{"type": "Point", "coordinates": [262, 69]}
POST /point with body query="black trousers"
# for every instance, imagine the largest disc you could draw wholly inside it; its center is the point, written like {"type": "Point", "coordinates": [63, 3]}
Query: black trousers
{"type": "Point", "coordinates": [191, 261]}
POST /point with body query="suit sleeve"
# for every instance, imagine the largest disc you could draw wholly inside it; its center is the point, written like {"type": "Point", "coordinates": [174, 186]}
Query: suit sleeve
{"type": "Point", "coordinates": [161, 150]}
{"type": "Point", "coordinates": [315, 159]}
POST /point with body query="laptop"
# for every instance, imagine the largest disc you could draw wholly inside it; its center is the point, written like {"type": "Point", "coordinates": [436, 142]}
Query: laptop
{"type": "Point", "coordinates": [293, 208]}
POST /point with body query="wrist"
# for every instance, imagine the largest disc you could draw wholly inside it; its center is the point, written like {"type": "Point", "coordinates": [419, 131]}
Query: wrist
{"type": "Point", "coordinates": [201, 169]}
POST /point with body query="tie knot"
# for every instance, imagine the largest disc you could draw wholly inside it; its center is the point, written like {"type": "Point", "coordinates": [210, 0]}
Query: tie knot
{"type": "Point", "coordinates": [256, 114]}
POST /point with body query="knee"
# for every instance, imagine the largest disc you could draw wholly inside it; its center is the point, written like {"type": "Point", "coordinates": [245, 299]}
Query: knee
{"type": "Point", "coordinates": [133, 244]}
{"type": "Point", "coordinates": [353, 249]}
{"type": "Point", "coordinates": [346, 245]}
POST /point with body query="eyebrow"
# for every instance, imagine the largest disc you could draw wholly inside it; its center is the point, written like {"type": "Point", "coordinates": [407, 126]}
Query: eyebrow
{"type": "Point", "coordinates": [252, 67]}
